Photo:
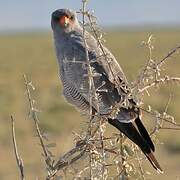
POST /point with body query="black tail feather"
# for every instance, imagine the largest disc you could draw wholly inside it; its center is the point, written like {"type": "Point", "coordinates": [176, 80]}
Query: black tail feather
{"type": "Point", "coordinates": [154, 162]}
{"type": "Point", "coordinates": [132, 133]}
{"type": "Point", "coordinates": [144, 133]}
{"type": "Point", "coordinates": [140, 137]}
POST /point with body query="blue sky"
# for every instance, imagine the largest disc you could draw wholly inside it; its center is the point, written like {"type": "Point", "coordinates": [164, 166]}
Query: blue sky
{"type": "Point", "coordinates": [35, 14]}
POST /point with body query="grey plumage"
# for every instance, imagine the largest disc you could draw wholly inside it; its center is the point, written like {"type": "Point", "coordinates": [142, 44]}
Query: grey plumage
{"type": "Point", "coordinates": [71, 55]}
{"type": "Point", "coordinates": [73, 74]}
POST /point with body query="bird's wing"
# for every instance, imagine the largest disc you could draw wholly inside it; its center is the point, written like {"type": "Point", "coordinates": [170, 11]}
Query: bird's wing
{"type": "Point", "coordinates": [104, 71]}
{"type": "Point", "coordinates": [114, 69]}
{"type": "Point", "coordinates": [105, 62]}
{"type": "Point", "coordinates": [109, 63]}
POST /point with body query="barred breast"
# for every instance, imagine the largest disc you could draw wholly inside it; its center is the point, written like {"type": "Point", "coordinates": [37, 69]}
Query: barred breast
{"type": "Point", "coordinates": [71, 94]}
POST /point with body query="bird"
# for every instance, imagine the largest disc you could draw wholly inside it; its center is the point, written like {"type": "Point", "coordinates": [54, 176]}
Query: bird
{"type": "Point", "coordinates": [72, 54]}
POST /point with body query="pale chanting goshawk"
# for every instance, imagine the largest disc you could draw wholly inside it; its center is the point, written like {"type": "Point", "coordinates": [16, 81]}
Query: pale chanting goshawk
{"type": "Point", "coordinates": [72, 57]}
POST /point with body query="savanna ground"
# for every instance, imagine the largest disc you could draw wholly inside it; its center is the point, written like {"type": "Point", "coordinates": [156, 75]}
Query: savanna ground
{"type": "Point", "coordinates": [33, 54]}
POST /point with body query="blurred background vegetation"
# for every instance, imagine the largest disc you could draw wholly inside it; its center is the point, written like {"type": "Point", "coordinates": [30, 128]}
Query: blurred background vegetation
{"type": "Point", "coordinates": [26, 47]}
{"type": "Point", "coordinates": [33, 54]}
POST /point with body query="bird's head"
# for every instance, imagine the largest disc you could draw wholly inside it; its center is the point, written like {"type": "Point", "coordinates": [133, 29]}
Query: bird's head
{"type": "Point", "coordinates": [64, 20]}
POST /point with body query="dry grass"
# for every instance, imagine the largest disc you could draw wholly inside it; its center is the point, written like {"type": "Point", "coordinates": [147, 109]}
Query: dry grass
{"type": "Point", "coordinates": [33, 54]}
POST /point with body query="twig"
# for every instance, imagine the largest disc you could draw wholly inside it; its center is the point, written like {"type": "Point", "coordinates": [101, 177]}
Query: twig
{"type": "Point", "coordinates": [90, 80]}
{"type": "Point", "coordinates": [171, 128]}
{"type": "Point", "coordinates": [124, 173]}
{"type": "Point", "coordinates": [166, 79]}
{"type": "Point", "coordinates": [18, 157]}
{"type": "Point", "coordinates": [101, 134]}
{"type": "Point", "coordinates": [173, 51]}
{"type": "Point", "coordinates": [165, 111]}
{"type": "Point", "coordinates": [47, 158]}
{"type": "Point", "coordinates": [166, 120]}
{"type": "Point", "coordinates": [68, 158]}
{"type": "Point", "coordinates": [101, 47]}
{"type": "Point", "coordinates": [92, 95]}
{"type": "Point", "coordinates": [139, 163]}
{"type": "Point", "coordinates": [145, 69]}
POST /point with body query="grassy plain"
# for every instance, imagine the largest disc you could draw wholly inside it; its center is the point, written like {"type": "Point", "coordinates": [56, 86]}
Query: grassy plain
{"type": "Point", "coordinates": [33, 54]}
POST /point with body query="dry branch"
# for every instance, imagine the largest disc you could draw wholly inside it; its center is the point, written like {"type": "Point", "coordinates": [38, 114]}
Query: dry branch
{"type": "Point", "coordinates": [163, 80]}
{"type": "Point", "coordinates": [33, 111]}
{"type": "Point", "coordinates": [169, 55]}
{"type": "Point", "coordinates": [18, 157]}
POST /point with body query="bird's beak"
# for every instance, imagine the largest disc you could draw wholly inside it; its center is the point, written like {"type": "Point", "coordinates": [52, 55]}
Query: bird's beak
{"type": "Point", "coordinates": [64, 21]}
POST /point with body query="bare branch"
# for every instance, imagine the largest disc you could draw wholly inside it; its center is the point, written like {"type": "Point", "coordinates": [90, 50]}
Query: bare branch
{"type": "Point", "coordinates": [124, 172]}
{"type": "Point", "coordinates": [164, 119]}
{"type": "Point", "coordinates": [18, 157]}
{"type": "Point", "coordinates": [171, 128]}
{"type": "Point", "coordinates": [90, 80]}
{"type": "Point", "coordinates": [173, 51]}
{"type": "Point", "coordinates": [33, 111]}
{"type": "Point", "coordinates": [164, 80]}
{"type": "Point", "coordinates": [139, 163]}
